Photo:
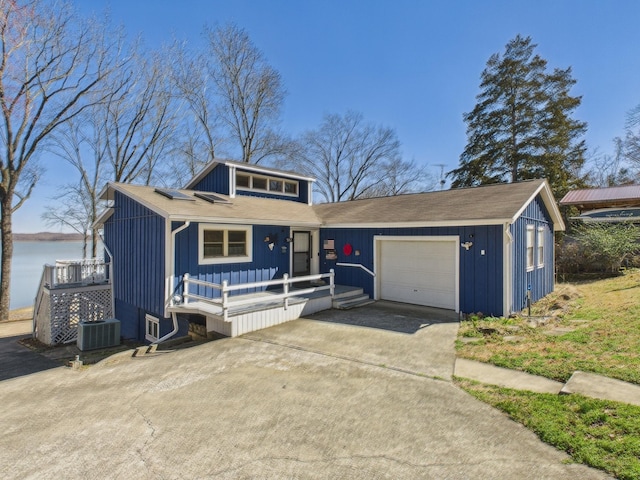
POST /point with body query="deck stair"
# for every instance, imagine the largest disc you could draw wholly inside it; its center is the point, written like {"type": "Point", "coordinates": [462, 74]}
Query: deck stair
{"type": "Point", "coordinates": [352, 298]}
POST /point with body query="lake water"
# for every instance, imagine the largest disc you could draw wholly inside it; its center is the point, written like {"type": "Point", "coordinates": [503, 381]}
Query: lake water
{"type": "Point", "coordinates": [29, 259]}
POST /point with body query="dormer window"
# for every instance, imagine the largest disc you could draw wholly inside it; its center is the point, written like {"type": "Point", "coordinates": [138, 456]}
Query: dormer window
{"type": "Point", "coordinates": [262, 183]}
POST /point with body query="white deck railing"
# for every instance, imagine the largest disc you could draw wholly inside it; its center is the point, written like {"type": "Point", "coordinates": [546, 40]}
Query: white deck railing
{"type": "Point", "coordinates": [74, 272]}
{"type": "Point", "coordinates": [224, 302]}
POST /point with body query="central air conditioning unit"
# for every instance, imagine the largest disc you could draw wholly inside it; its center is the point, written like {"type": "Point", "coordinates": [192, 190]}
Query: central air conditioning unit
{"type": "Point", "coordinates": [100, 334]}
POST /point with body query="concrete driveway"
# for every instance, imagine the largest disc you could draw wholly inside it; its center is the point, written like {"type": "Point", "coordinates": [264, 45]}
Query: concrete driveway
{"type": "Point", "coordinates": [315, 398]}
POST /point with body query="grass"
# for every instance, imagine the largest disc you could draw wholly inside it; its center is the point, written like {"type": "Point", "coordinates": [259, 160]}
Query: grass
{"type": "Point", "coordinates": [602, 434]}
{"type": "Point", "coordinates": [590, 326]}
{"type": "Point", "coordinates": [604, 316]}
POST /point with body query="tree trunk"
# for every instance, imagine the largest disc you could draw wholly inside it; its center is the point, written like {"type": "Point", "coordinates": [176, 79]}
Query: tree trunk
{"type": "Point", "coordinates": [6, 236]}
{"type": "Point", "coordinates": [94, 242]}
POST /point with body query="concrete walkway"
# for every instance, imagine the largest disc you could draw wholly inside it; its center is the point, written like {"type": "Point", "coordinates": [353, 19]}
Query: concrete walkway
{"type": "Point", "coordinates": [587, 384]}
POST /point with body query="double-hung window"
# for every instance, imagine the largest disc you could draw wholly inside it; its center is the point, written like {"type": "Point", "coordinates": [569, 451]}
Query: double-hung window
{"type": "Point", "coordinates": [531, 238]}
{"type": "Point", "coordinates": [540, 247]}
{"type": "Point", "coordinates": [224, 244]}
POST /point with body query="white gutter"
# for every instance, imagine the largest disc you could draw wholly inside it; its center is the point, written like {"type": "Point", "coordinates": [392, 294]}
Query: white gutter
{"type": "Point", "coordinates": [169, 281]}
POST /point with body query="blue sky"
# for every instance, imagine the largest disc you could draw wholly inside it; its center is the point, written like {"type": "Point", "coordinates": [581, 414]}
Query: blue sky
{"type": "Point", "coordinates": [407, 64]}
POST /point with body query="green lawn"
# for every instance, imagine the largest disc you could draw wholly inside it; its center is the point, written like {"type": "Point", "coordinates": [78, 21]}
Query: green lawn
{"type": "Point", "coordinates": [604, 316]}
{"type": "Point", "coordinates": [598, 433]}
{"type": "Point", "coordinates": [590, 326]}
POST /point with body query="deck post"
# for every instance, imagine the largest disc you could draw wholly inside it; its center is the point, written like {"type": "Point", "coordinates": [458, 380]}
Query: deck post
{"type": "Point", "coordinates": [285, 287]}
{"type": "Point", "coordinates": [185, 288]}
{"type": "Point", "coordinates": [332, 283]}
{"type": "Point", "coordinates": [225, 299]}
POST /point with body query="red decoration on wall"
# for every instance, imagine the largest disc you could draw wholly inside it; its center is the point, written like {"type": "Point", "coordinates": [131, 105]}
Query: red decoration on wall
{"type": "Point", "coordinates": [347, 249]}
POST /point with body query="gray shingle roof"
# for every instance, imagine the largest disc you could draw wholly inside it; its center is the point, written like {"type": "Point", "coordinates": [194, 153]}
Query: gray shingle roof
{"type": "Point", "coordinates": [499, 202]}
{"type": "Point", "coordinates": [241, 209]}
{"type": "Point", "coordinates": [490, 204]}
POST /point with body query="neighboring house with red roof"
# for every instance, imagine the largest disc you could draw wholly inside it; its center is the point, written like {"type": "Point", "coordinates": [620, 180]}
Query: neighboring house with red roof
{"type": "Point", "coordinates": [611, 204]}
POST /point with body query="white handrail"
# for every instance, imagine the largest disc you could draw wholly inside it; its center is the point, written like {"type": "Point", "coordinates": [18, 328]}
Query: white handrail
{"type": "Point", "coordinates": [359, 265]}
{"type": "Point", "coordinates": [225, 303]}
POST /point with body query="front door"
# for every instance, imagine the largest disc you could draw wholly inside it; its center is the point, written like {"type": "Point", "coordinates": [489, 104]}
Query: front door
{"type": "Point", "coordinates": [301, 253]}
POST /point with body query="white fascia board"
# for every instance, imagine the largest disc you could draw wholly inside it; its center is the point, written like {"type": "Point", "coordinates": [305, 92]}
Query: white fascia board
{"type": "Point", "coordinates": [104, 193]}
{"type": "Point", "coordinates": [445, 223]}
{"type": "Point", "coordinates": [241, 221]}
{"type": "Point", "coordinates": [201, 174]}
{"type": "Point", "coordinates": [550, 202]}
{"type": "Point", "coordinates": [103, 217]}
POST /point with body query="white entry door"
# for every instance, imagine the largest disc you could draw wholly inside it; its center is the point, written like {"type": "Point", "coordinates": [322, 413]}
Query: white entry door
{"type": "Point", "coordinates": [421, 272]}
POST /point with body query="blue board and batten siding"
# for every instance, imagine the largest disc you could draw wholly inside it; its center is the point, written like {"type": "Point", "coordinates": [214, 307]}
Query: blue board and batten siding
{"type": "Point", "coordinates": [136, 238]}
{"type": "Point", "coordinates": [540, 278]}
{"type": "Point", "coordinates": [267, 264]}
{"type": "Point", "coordinates": [216, 181]}
{"type": "Point", "coordinates": [480, 276]}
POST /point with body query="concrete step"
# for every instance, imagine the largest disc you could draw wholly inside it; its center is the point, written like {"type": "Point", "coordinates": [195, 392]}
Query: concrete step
{"type": "Point", "coordinates": [352, 302]}
{"type": "Point", "coordinates": [344, 293]}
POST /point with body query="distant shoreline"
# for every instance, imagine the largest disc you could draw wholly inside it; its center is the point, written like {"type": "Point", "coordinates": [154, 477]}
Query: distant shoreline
{"type": "Point", "coordinates": [47, 237]}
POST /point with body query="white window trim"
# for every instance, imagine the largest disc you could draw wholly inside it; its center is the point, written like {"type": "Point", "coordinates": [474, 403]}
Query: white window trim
{"type": "Point", "coordinates": [539, 245]}
{"type": "Point", "coordinates": [226, 227]}
{"type": "Point", "coordinates": [150, 319]}
{"type": "Point", "coordinates": [530, 235]}
{"type": "Point", "coordinates": [268, 179]}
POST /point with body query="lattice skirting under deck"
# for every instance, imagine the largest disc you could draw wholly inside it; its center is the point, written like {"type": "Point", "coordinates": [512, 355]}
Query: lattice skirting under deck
{"type": "Point", "coordinates": [59, 311]}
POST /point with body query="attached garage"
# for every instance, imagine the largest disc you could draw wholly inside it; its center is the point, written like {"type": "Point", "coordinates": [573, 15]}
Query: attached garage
{"type": "Point", "coordinates": [419, 270]}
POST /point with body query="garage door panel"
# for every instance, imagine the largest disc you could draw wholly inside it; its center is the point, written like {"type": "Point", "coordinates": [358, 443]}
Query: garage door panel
{"type": "Point", "coordinates": [419, 272]}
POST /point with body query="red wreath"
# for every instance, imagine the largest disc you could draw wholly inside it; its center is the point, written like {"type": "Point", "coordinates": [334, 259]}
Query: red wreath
{"type": "Point", "coordinates": [347, 249]}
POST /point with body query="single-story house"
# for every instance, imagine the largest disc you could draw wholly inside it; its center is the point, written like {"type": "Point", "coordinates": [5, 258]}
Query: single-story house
{"type": "Point", "coordinates": [252, 229]}
{"type": "Point", "coordinates": [610, 204]}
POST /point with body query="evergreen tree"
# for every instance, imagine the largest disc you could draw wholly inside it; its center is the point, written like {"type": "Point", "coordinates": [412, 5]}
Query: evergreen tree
{"type": "Point", "coordinates": [521, 126]}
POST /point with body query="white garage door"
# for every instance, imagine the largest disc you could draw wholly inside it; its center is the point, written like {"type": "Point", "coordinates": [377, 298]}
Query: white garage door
{"type": "Point", "coordinates": [419, 272]}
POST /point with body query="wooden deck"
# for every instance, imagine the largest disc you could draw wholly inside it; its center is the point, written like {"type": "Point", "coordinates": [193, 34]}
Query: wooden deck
{"type": "Point", "coordinates": [267, 309]}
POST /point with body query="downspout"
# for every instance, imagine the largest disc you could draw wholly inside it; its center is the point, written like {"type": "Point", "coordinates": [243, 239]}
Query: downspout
{"type": "Point", "coordinates": [508, 270]}
{"type": "Point", "coordinates": [167, 292]}
{"type": "Point", "coordinates": [106, 249]}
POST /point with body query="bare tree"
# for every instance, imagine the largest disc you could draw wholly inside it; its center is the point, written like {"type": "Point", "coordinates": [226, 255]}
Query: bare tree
{"type": "Point", "coordinates": [121, 139]}
{"type": "Point", "coordinates": [400, 176]}
{"type": "Point", "coordinates": [250, 93]}
{"type": "Point", "coordinates": [610, 170]}
{"type": "Point", "coordinates": [78, 144]}
{"type": "Point", "coordinates": [75, 211]}
{"type": "Point", "coordinates": [135, 124]}
{"type": "Point", "coordinates": [200, 128]}
{"type": "Point", "coordinates": [632, 138]}
{"type": "Point", "coordinates": [52, 68]}
{"type": "Point", "coordinates": [348, 157]}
